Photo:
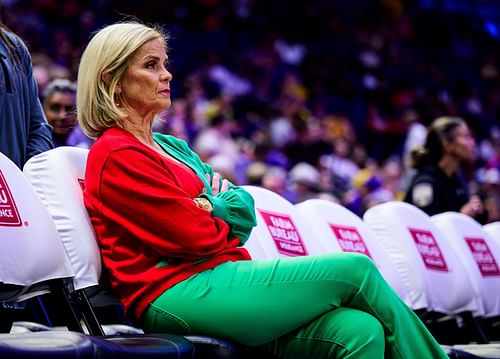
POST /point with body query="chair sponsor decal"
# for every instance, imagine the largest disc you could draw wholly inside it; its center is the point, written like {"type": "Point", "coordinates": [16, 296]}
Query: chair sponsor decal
{"type": "Point", "coordinates": [284, 233]}
{"type": "Point", "coordinates": [429, 249]}
{"type": "Point", "coordinates": [483, 256]}
{"type": "Point", "coordinates": [349, 239]}
{"type": "Point", "coordinates": [9, 215]}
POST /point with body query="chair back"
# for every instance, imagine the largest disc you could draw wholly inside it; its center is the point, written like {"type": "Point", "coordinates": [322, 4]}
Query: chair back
{"type": "Point", "coordinates": [493, 229]}
{"type": "Point", "coordinates": [30, 248]}
{"type": "Point", "coordinates": [281, 231]}
{"type": "Point", "coordinates": [418, 248]}
{"type": "Point", "coordinates": [58, 178]}
{"type": "Point", "coordinates": [479, 253]}
{"type": "Point", "coordinates": [338, 229]}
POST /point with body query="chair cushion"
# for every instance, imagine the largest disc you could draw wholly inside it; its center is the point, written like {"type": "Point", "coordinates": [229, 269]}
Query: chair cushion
{"type": "Point", "coordinates": [148, 346]}
{"type": "Point", "coordinates": [217, 348]}
{"type": "Point", "coordinates": [53, 344]}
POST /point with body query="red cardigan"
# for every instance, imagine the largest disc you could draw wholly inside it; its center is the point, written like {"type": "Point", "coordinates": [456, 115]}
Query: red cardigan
{"type": "Point", "coordinates": [150, 232]}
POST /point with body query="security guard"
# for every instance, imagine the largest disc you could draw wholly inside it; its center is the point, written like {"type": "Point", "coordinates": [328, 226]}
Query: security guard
{"type": "Point", "coordinates": [437, 185]}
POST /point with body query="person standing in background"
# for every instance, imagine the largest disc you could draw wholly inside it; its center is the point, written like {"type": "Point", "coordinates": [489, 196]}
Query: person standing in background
{"type": "Point", "coordinates": [438, 185]}
{"type": "Point", "coordinates": [59, 105]}
{"type": "Point", "coordinates": [24, 130]}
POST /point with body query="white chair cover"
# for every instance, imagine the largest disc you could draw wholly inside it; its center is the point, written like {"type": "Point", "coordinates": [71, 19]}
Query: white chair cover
{"type": "Point", "coordinates": [493, 229]}
{"type": "Point", "coordinates": [419, 249]}
{"type": "Point", "coordinates": [339, 230]}
{"type": "Point", "coordinates": [30, 248]}
{"type": "Point", "coordinates": [479, 253]}
{"type": "Point", "coordinates": [280, 230]}
{"type": "Point", "coordinates": [57, 176]}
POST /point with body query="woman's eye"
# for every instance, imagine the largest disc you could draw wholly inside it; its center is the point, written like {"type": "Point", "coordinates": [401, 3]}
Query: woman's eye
{"type": "Point", "coordinates": [150, 65]}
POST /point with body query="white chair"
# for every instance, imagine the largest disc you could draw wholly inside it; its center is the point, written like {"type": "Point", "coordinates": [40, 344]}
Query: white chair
{"type": "Point", "coordinates": [479, 253]}
{"type": "Point", "coordinates": [281, 231]}
{"type": "Point", "coordinates": [419, 249]}
{"type": "Point", "coordinates": [33, 260]}
{"type": "Point", "coordinates": [57, 177]}
{"type": "Point", "coordinates": [493, 229]}
{"type": "Point", "coordinates": [338, 229]}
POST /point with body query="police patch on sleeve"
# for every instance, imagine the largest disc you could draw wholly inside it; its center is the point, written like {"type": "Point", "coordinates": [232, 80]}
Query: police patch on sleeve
{"type": "Point", "coordinates": [422, 194]}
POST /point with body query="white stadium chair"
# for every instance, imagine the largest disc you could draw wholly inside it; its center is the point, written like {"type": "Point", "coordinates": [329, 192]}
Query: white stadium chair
{"type": "Point", "coordinates": [57, 176]}
{"type": "Point", "coordinates": [338, 229]}
{"type": "Point", "coordinates": [493, 229]}
{"type": "Point", "coordinates": [481, 257]}
{"type": "Point", "coordinates": [418, 248]}
{"type": "Point", "coordinates": [33, 260]}
{"type": "Point", "coordinates": [416, 244]}
{"type": "Point", "coordinates": [281, 230]}
{"type": "Point", "coordinates": [479, 253]}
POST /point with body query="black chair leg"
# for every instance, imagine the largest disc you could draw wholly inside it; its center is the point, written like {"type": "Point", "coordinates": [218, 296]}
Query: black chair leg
{"type": "Point", "coordinates": [6, 319]}
{"type": "Point", "coordinates": [476, 330]}
{"type": "Point", "coordinates": [62, 296]}
{"type": "Point", "coordinates": [89, 316]}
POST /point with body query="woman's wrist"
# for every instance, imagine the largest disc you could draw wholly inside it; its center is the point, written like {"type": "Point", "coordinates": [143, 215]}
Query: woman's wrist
{"type": "Point", "coordinates": [203, 203]}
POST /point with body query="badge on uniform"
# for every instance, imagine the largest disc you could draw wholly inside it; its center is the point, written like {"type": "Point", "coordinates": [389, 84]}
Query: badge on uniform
{"type": "Point", "coordinates": [422, 194]}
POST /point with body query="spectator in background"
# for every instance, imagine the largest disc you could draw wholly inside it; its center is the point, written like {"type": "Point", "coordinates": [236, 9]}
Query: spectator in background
{"type": "Point", "coordinates": [491, 188]}
{"type": "Point", "coordinates": [59, 105]}
{"type": "Point", "coordinates": [24, 131]}
{"type": "Point", "coordinates": [438, 185]}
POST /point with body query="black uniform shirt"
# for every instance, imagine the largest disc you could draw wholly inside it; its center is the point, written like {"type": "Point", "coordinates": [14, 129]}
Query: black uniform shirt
{"type": "Point", "coordinates": [434, 192]}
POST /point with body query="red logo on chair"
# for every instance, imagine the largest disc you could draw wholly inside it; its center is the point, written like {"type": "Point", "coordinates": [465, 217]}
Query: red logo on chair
{"type": "Point", "coordinates": [9, 215]}
{"type": "Point", "coordinates": [429, 249]}
{"type": "Point", "coordinates": [284, 233]}
{"type": "Point", "coordinates": [483, 257]}
{"type": "Point", "coordinates": [350, 240]}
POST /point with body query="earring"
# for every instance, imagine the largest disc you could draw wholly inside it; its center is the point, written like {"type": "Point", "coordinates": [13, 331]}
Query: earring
{"type": "Point", "coordinates": [117, 101]}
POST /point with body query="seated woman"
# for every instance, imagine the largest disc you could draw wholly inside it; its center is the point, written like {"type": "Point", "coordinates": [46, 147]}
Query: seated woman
{"type": "Point", "coordinates": [171, 231]}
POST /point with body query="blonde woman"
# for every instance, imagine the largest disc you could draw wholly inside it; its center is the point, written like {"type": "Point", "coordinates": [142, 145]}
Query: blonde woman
{"type": "Point", "coordinates": [171, 231]}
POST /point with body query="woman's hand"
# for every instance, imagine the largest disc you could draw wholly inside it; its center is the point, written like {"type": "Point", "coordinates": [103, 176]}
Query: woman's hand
{"type": "Point", "coordinates": [218, 184]}
{"type": "Point", "coordinates": [473, 208]}
{"type": "Point", "coordinates": [203, 203]}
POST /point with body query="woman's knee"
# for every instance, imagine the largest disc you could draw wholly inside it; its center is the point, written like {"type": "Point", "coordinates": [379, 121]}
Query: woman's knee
{"type": "Point", "coordinates": [357, 266]}
{"type": "Point", "coordinates": [368, 331]}
{"type": "Point", "coordinates": [357, 327]}
{"type": "Point", "coordinates": [361, 334]}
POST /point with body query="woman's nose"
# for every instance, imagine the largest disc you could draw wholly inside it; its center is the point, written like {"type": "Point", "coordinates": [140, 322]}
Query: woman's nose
{"type": "Point", "coordinates": [166, 75]}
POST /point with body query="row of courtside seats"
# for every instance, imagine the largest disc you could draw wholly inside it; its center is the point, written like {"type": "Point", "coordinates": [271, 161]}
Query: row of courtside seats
{"type": "Point", "coordinates": [446, 268]}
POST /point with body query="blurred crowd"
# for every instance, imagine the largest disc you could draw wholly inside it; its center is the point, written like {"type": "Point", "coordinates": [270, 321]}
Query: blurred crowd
{"type": "Point", "coordinates": [309, 99]}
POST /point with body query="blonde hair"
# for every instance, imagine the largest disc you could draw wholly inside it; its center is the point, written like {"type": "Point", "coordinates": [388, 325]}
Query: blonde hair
{"type": "Point", "coordinates": [109, 51]}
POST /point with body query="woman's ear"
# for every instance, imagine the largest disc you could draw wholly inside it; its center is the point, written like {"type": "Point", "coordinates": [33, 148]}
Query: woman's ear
{"type": "Point", "coordinates": [106, 76]}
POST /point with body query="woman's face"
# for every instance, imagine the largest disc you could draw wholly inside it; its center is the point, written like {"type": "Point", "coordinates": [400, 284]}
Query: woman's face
{"type": "Point", "coordinates": [59, 109]}
{"type": "Point", "coordinates": [145, 86]}
{"type": "Point", "coordinates": [463, 146]}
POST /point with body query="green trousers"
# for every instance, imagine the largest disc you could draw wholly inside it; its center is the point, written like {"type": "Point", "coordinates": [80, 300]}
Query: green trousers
{"type": "Point", "coordinates": [330, 306]}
